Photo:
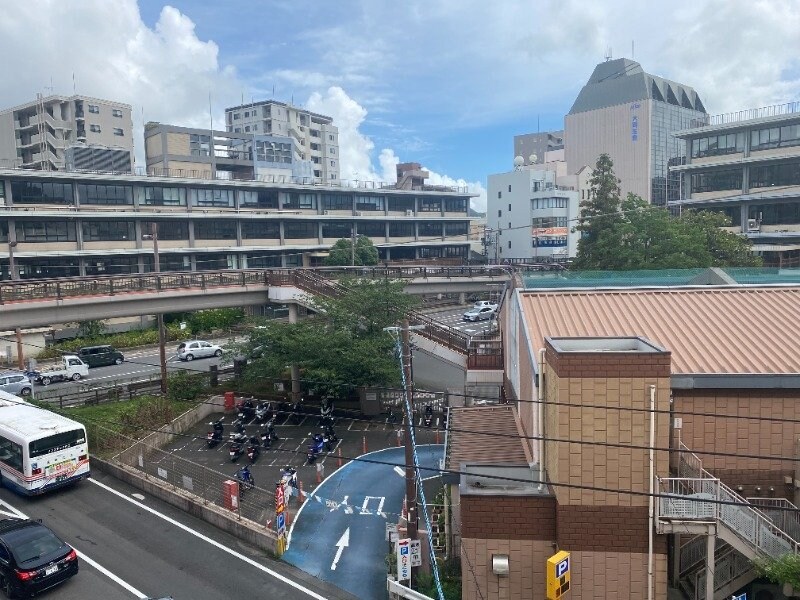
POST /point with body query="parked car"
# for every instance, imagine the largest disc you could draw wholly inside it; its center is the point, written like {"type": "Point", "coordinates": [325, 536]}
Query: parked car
{"type": "Point", "coordinates": [482, 303]}
{"type": "Point", "coordinates": [32, 558]}
{"type": "Point", "coordinates": [16, 383]}
{"type": "Point", "coordinates": [198, 349]}
{"type": "Point", "coordinates": [101, 356]}
{"type": "Point", "coordinates": [70, 368]}
{"type": "Point", "coordinates": [480, 314]}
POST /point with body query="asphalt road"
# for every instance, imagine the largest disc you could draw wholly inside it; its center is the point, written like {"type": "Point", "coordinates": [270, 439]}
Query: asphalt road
{"type": "Point", "coordinates": [355, 503]}
{"type": "Point", "coordinates": [453, 317]}
{"type": "Point", "coordinates": [132, 546]}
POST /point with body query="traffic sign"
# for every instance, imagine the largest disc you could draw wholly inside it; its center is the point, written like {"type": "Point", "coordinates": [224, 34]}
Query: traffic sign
{"type": "Point", "coordinates": [280, 522]}
{"type": "Point", "coordinates": [391, 532]}
{"type": "Point", "coordinates": [558, 575]}
{"type": "Point", "coordinates": [416, 553]}
{"type": "Point", "coordinates": [404, 560]}
{"type": "Point", "coordinates": [280, 499]}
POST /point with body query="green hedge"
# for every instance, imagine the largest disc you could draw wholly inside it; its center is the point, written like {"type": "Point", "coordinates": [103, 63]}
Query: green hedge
{"type": "Point", "coordinates": [126, 339]}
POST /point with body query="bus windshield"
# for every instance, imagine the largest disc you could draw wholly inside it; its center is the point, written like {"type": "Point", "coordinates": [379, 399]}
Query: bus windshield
{"type": "Point", "coordinates": [55, 442]}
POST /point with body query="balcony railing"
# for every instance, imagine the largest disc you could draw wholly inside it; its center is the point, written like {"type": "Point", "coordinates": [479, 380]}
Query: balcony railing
{"type": "Point", "coordinates": [746, 115]}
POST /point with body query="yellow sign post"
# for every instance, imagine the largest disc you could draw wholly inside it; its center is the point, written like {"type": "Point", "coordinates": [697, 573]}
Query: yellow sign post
{"type": "Point", "coordinates": [558, 575]}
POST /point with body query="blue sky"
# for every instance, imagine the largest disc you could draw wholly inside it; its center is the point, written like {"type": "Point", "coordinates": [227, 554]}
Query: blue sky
{"type": "Point", "coordinates": [447, 83]}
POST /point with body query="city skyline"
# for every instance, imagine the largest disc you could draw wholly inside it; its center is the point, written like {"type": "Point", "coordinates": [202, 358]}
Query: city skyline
{"type": "Point", "coordinates": [473, 77]}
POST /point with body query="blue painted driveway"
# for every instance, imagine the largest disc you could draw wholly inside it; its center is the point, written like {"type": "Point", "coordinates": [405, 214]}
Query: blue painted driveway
{"type": "Point", "coordinates": [361, 497]}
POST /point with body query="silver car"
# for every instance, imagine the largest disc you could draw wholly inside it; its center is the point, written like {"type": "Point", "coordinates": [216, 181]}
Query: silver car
{"type": "Point", "coordinates": [480, 314]}
{"type": "Point", "coordinates": [198, 349]}
{"type": "Point", "coordinates": [15, 383]}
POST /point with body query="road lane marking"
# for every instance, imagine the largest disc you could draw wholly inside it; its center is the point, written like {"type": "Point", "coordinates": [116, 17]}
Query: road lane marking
{"type": "Point", "coordinates": [400, 471]}
{"type": "Point", "coordinates": [141, 595]}
{"type": "Point", "coordinates": [214, 543]}
{"type": "Point", "coordinates": [343, 543]}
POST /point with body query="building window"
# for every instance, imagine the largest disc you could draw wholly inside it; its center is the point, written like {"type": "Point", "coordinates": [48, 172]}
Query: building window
{"type": "Point", "coordinates": [509, 244]}
{"type": "Point", "coordinates": [716, 145]}
{"type": "Point", "coordinates": [274, 152]}
{"type": "Point", "coordinates": [316, 160]}
{"type": "Point", "coordinates": [333, 150]}
{"type": "Point", "coordinates": [714, 181]}
{"type": "Point", "coordinates": [118, 131]}
{"type": "Point", "coordinates": [168, 230]}
{"type": "Point", "coordinates": [509, 188]}
{"type": "Point", "coordinates": [333, 175]}
{"type": "Point", "coordinates": [314, 146]}
{"type": "Point", "coordinates": [317, 173]}
{"type": "Point", "coordinates": [509, 208]}
{"type": "Point", "coordinates": [214, 229]}
{"type": "Point", "coordinates": [784, 213]}
{"type": "Point", "coordinates": [34, 192]}
{"type": "Point", "coordinates": [237, 130]}
{"type": "Point", "coordinates": [370, 203]}
{"type": "Point", "coordinates": [300, 230]}
{"type": "Point", "coordinates": [94, 108]}
{"type": "Point", "coordinates": [785, 174]}
{"type": "Point", "coordinates": [330, 137]}
{"type": "Point", "coordinates": [213, 198]}
{"type": "Point", "coordinates": [455, 205]}
{"type": "Point", "coordinates": [333, 163]}
{"type": "Point", "coordinates": [336, 229]}
{"type": "Point", "coordinates": [548, 222]}
{"type": "Point", "coordinates": [199, 145]}
{"type": "Point", "coordinates": [314, 133]}
{"type": "Point", "coordinates": [458, 228]}
{"type": "Point", "coordinates": [540, 203]}
{"type": "Point", "coordinates": [775, 137]}
{"type": "Point", "coordinates": [401, 229]}
{"type": "Point", "coordinates": [116, 112]}
{"type": "Point", "coordinates": [164, 196]}
{"type": "Point", "coordinates": [258, 199]}
{"type": "Point", "coordinates": [430, 204]}
{"type": "Point", "coordinates": [261, 230]}
{"type": "Point", "coordinates": [105, 194]}
{"type": "Point", "coordinates": [371, 228]}
{"type": "Point", "coordinates": [236, 116]}
{"type": "Point", "coordinates": [430, 228]}
{"type": "Point", "coordinates": [46, 231]}
{"type": "Point", "coordinates": [246, 114]}
{"type": "Point", "coordinates": [255, 127]}
{"type": "Point", "coordinates": [299, 201]}
{"type": "Point", "coordinates": [94, 128]}
{"type": "Point", "coordinates": [247, 128]}
{"type": "Point", "coordinates": [107, 231]}
{"type": "Point", "coordinates": [337, 202]}
{"type": "Point", "coordinates": [499, 195]}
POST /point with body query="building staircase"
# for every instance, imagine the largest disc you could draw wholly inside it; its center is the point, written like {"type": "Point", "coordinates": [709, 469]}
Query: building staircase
{"type": "Point", "coordinates": [696, 505]}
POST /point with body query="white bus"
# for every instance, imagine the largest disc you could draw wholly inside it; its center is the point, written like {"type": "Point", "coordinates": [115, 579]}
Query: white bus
{"type": "Point", "coordinates": [39, 450]}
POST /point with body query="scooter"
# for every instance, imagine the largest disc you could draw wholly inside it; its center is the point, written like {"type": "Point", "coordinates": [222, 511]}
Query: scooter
{"type": "Point", "coordinates": [245, 479]}
{"type": "Point", "coordinates": [289, 476]}
{"type": "Point", "coordinates": [329, 438]}
{"type": "Point", "coordinates": [317, 444]}
{"type": "Point", "coordinates": [236, 450]}
{"type": "Point", "coordinates": [263, 411]}
{"type": "Point", "coordinates": [214, 436]}
{"type": "Point", "coordinates": [247, 410]}
{"type": "Point", "coordinates": [253, 449]}
{"type": "Point", "coordinates": [238, 426]}
{"type": "Point", "coordinates": [428, 419]}
{"type": "Point", "coordinates": [326, 413]}
{"type": "Point", "coordinates": [391, 417]}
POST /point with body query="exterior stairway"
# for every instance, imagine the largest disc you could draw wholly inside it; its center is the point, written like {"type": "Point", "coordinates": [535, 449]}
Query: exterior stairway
{"type": "Point", "coordinates": [698, 504]}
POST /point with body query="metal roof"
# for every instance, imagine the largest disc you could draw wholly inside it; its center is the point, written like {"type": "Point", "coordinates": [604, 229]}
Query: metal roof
{"type": "Point", "coordinates": [727, 331]}
{"type": "Point", "coordinates": [464, 446]}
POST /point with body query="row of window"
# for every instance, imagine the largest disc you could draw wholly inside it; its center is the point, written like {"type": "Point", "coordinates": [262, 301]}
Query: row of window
{"type": "Point", "coordinates": [714, 181]}
{"type": "Point", "coordinates": [760, 139]}
{"type": "Point", "coordinates": [760, 176]}
{"type": "Point", "coordinates": [95, 109]}
{"type": "Point", "coordinates": [775, 137]}
{"type": "Point", "coordinates": [105, 231]}
{"type": "Point", "coordinates": [717, 145]}
{"type": "Point", "coordinates": [548, 222]}
{"type": "Point", "coordinates": [34, 192]}
{"type": "Point", "coordinates": [540, 203]}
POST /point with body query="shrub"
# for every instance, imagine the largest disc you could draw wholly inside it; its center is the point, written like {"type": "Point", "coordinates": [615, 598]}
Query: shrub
{"type": "Point", "coordinates": [216, 318]}
{"type": "Point", "coordinates": [183, 385]}
{"type": "Point", "coordinates": [125, 339]}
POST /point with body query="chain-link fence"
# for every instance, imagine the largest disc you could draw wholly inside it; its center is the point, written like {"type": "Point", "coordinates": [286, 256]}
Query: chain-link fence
{"type": "Point", "coordinates": [256, 504]}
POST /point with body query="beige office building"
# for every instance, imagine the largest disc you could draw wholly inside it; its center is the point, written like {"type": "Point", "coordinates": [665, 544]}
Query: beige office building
{"type": "Point", "coordinates": [36, 135]}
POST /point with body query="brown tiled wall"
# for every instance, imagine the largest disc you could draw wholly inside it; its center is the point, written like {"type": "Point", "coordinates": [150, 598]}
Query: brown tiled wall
{"type": "Point", "coordinates": [609, 364]}
{"type": "Point", "coordinates": [750, 479]}
{"type": "Point", "coordinates": [741, 436]}
{"type": "Point", "coordinates": [605, 528]}
{"type": "Point", "coordinates": [508, 517]}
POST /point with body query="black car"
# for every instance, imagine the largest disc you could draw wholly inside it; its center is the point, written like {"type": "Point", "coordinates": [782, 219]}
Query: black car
{"type": "Point", "coordinates": [101, 356]}
{"type": "Point", "coordinates": [32, 558]}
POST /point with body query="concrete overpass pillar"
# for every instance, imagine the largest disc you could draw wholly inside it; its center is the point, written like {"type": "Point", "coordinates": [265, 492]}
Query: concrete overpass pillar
{"type": "Point", "coordinates": [293, 313]}
{"type": "Point", "coordinates": [462, 298]}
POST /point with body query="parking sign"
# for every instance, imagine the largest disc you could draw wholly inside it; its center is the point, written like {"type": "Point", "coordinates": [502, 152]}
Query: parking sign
{"type": "Point", "coordinates": [404, 559]}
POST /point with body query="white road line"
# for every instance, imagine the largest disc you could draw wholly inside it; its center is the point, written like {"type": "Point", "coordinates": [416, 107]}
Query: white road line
{"type": "Point", "coordinates": [141, 595]}
{"type": "Point", "coordinates": [208, 540]}
{"type": "Point", "coordinates": [400, 471]}
{"type": "Point", "coordinates": [349, 427]}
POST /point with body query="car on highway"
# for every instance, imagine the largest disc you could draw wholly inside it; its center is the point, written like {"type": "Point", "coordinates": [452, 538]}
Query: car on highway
{"type": "Point", "coordinates": [482, 303]}
{"type": "Point", "coordinates": [480, 314]}
{"type": "Point", "coordinates": [32, 558]}
{"type": "Point", "coordinates": [198, 349]}
{"type": "Point", "coordinates": [101, 356]}
{"type": "Point", "coordinates": [16, 383]}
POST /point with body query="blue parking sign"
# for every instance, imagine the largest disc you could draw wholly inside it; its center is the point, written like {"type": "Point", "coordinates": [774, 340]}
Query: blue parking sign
{"type": "Point", "coordinates": [562, 568]}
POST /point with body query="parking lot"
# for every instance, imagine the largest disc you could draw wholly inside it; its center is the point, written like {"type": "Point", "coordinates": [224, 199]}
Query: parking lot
{"type": "Point", "coordinates": [356, 434]}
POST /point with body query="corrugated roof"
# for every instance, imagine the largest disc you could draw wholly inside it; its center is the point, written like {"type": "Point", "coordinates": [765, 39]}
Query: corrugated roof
{"type": "Point", "coordinates": [720, 330]}
{"type": "Point", "coordinates": [469, 448]}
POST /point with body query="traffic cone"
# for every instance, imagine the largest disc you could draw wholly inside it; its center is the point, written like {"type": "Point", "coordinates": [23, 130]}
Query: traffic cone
{"type": "Point", "coordinates": [364, 445]}
{"type": "Point", "coordinates": [340, 457]}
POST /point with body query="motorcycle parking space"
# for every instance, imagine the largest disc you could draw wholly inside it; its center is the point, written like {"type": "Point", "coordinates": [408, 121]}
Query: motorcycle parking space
{"type": "Point", "coordinates": [356, 434]}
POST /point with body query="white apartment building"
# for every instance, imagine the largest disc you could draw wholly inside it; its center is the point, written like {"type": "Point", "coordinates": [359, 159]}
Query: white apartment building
{"type": "Point", "coordinates": [316, 136]}
{"type": "Point", "coordinates": [37, 134]}
{"type": "Point", "coordinates": [529, 217]}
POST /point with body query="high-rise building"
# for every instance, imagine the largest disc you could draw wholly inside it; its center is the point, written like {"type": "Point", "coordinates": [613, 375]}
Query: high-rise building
{"type": "Point", "coordinates": [631, 116]}
{"type": "Point", "coordinates": [537, 144]}
{"type": "Point", "coordinates": [315, 134]}
{"type": "Point", "coordinates": [37, 134]}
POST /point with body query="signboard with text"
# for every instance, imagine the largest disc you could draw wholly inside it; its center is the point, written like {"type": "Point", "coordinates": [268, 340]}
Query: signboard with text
{"type": "Point", "coordinates": [558, 575]}
{"type": "Point", "coordinates": [404, 560]}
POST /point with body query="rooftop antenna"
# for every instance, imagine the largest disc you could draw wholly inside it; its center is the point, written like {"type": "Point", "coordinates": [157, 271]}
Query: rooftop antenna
{"type": "Point", "coordinates": [608, 54]}
{"type": "Point", "coordinates": [633, 54]}
{"type": "Point", "coordinates": [73, 83]}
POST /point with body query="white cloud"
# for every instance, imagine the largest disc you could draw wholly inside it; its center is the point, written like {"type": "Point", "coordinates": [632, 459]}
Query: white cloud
{"type": "Point", "coordinates": [165, 72]}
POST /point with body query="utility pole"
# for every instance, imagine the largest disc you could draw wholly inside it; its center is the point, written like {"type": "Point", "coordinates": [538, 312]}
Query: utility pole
{"type": "Point", "coordinates": [411, 480]}
{"type": "Point", "coordinates": [353, 244]}
{"type": "Point", "coordinates": [162, 341]}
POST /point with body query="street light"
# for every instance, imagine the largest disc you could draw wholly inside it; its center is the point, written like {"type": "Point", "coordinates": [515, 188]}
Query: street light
{"type": "Point", "coordinates": [162, 348]}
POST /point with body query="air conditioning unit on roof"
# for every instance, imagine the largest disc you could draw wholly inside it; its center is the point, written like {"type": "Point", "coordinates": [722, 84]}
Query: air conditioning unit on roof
{"type": "Point", "coordinates": [753, 225]}
{"type": "Point", "coordinates": [409, 213]}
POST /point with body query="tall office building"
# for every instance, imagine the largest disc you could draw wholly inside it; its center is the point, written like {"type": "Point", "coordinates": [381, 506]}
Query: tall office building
{"type": "Point", "coordinates": [37, 135]}
{"type": "Point", "coordinates": [631, 115]}
{"type": "Point", "coordinates": [315, 134]}
{"type": "Point", "coordinates": [529, 145]}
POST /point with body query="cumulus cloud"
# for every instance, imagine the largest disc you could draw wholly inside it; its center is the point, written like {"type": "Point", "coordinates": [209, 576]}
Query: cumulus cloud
{"type": "Point", "coordinates": [165, 72]}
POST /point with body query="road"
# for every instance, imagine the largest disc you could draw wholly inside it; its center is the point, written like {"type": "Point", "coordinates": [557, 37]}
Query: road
{"type": "Point", "coordinates": [132, 546]}
{"type": "Point", "coordinates": [360, 498]}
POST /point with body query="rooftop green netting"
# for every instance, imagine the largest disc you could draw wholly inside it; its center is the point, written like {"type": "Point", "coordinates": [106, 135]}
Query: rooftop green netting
{"type": "Point", "coordinates": [665, 277]}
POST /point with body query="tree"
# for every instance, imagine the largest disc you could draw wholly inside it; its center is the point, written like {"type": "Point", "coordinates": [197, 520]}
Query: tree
{"type": "Point", "coordinates": [341, 252]}
{"type": "Point", "coordinates": [91, 329]}
{"type": "Point", "coordinates": [784, 570]}
{"type": "Point", "coordinates": [599, 213]}
{"type": "Point", "coordinates": [343, 345]}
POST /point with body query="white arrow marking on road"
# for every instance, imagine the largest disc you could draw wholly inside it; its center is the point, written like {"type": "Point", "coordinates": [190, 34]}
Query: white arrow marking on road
{"type": "Point", "coordinates": [343, 543]}
{"type": "Point", "coordinates": [400, 471]}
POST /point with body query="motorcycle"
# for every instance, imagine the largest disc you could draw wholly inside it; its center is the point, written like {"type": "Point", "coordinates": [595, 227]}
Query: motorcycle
{"type": "Point", "coordinates": [253, 449]}
{"type": "Point", "coordinates": [214, 436]}
{"type": "Point", "coordinates": [391, 417]}
{"type": "Point", "coordinates": [263, 412]}
{"type": "Point", "coordinates": [289, 476]}
{"type": "Point", "coordinates": [428, 419]}
{"type": "Point", "coordinates": [247, 410]}
{"type": "Point", "coordinates": [326, 413]}
{"type": "Point", "coordinates": [245, 479]}
{"type": "Point", "coordinates": [329, 438]}
{"type": "Point", "coordinates": [236, 450]}
{"type": "Point", "coordinates": [317, 444]}
{"type": "Point", "coordinates": [238, 426]}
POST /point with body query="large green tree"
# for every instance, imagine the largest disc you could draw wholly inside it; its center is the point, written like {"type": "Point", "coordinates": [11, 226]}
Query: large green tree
{"type": "Point", "coordinates": [632, 234]}
{"type": "Point", "coordinates": [343, 345]}
{"type": "Point", "coordinates": [341, 252]}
